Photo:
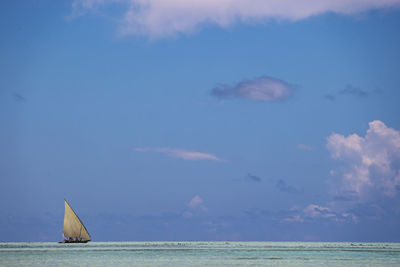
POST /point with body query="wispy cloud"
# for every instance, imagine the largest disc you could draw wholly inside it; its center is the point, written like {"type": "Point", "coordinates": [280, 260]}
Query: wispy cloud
{"type": "Point", "coordinates": [352, 90]}
{"type": "Point", "coordinates": [304, 147]}
{"type": "Point", "coordinates": [260, 89]}
{"type": "Point", "coordinates": [253, 178]}
{"type": "Point", "coordinates": [348, 90]}
{"type": "Point", "coordinates": [197, 203]}
{"type": "Point", "coordinates": [18, 97]}
{"type": "Point", "coordinates": [282, 186]}
{"type": "Point", "coordinates": [161, 18]}
{"type": "Point", "coordinates": [180, 153]}
{"type": "Point", "coordinates": [313, 212]}
{"type": "Point", "coordinates": [331, 97]}
{"type": "Point", "coordinates": [82, 7]}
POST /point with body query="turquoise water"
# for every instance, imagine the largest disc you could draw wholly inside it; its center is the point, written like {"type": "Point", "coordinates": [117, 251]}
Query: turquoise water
{"type": "Point", "coordinates": [200, 254]}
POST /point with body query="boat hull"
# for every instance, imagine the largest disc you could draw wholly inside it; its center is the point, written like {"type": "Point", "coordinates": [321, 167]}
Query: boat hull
{"type": "Point", "coordinates": [73, 241]}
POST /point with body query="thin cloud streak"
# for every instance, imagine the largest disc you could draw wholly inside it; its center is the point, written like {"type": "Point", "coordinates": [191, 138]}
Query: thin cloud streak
{"type": "Point", "coordinates": [253, 178]}
{"type": "Point", "coordinates": [180, 153]}
{"type": "Point", "coordinates": [265, 88]}
{"type": "Point", "coordinates": [313, 212]}
{"type": "Point", "coordinates": [352, 90]}
{"type": "Point", "coordinates": [349, 90]}
{"type": "Point", "coordinates": [282, 186]}
{"type": "Point", "coordinates": [19, 98]}
{"type": "Point", "coordinates": [304, 147]}
{"type": "Point", "coordinates": [162, 18]}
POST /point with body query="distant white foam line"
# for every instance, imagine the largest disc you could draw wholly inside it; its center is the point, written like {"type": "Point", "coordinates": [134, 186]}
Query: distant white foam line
{"type": "Point", "coordinates": [161, 18]}
{"type": "Point", "coordinates": [180, 153]}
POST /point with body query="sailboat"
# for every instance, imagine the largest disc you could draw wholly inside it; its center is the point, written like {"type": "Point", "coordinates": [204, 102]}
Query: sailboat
{"type": "Point", "coordinates": [73, 231]}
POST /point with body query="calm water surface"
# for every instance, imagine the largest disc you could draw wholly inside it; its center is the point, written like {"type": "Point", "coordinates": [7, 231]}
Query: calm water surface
{"type": "Point", "coordinates": [200, 254]}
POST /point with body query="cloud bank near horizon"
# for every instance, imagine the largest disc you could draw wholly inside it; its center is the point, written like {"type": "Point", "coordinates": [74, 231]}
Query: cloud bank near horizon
{"type": "Point", "coordinates": [366, 184]}
{"type": "Point", "coordinates": [180, 153]}
{"type": "Point", "coordinates": [162, 18]}
{"type": "Point", "coordinates": [316, 212]}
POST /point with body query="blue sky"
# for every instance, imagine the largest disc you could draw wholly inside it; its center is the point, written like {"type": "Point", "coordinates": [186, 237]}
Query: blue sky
{"type": "Point", "coordinates": [168, 120]}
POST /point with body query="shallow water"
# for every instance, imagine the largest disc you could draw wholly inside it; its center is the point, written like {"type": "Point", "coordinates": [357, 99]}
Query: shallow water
{"type": "Point", "coordinates": [200, 254]}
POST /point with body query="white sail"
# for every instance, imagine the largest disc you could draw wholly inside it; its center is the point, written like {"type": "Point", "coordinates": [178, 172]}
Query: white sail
{"type": "Point", "coordinates": [73, 226]}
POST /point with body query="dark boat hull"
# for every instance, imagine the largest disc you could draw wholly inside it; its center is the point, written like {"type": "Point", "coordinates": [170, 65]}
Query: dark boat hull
{"type": "Point", "coordinates": [73, 241]}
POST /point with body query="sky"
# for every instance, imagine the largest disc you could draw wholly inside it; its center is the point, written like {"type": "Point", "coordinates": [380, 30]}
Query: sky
{"type": "Point", "coordinates": [201, 120]}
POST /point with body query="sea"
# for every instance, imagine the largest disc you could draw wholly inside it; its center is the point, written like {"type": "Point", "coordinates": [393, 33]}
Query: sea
{"type": "Point", "coordinates": [200, 254]}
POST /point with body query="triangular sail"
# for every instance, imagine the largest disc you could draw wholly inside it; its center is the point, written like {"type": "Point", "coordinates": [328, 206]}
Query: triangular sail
{"type": "Point", "coordinates": [73, 226]}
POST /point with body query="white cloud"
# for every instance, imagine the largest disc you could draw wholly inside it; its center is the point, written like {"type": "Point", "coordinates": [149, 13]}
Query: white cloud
{"type": "Point", "coordinates": [260, 89]}
{"type": "Point", "coordinates": [365, 184]}
{"type": "Point", "coordinates": [160, 18]}
{"type": "Point", "coordinates": [197, 203]}
{"type": "Point", "coordinates": [187, 214]}
{"type": "Point", "coordinates": [314, 212]}
{"type": "Point", "coordinates": [180, 153]}
{"type": "Point", "coordinates": [371, 164]}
